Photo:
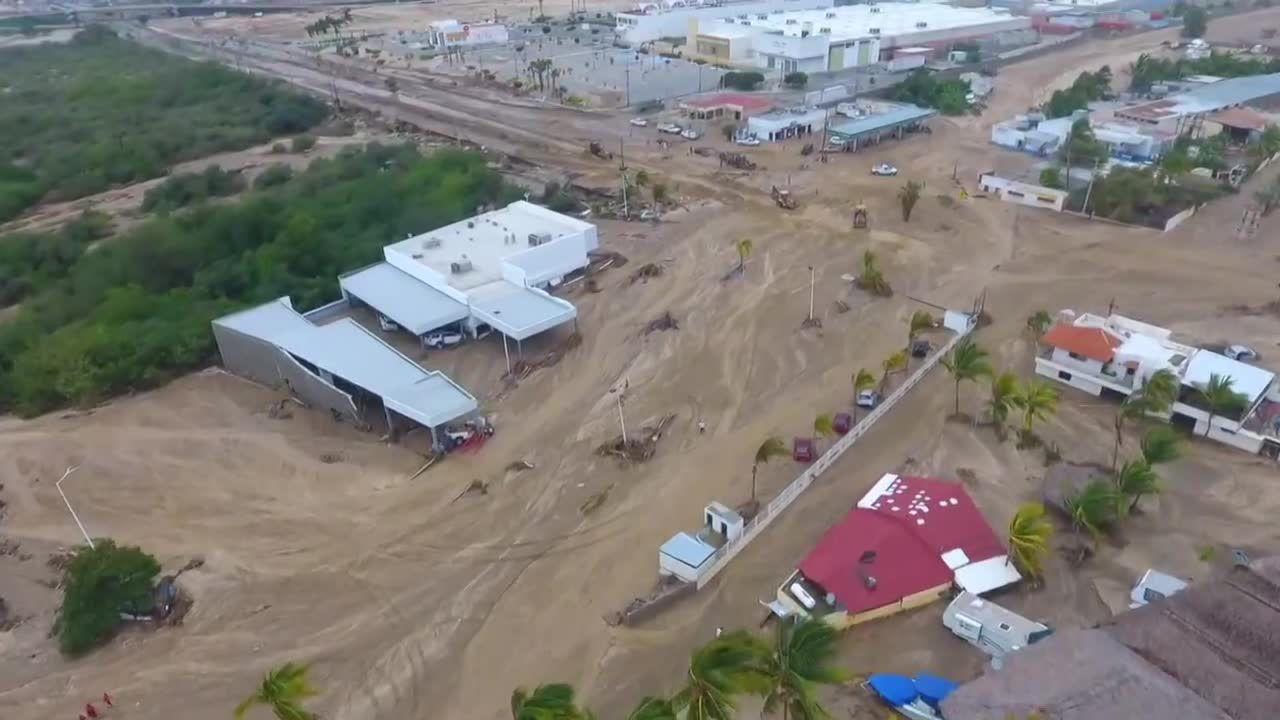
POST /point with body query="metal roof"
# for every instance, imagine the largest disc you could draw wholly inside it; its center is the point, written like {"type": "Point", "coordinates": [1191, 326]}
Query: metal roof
{"type": "Point", "coordinates": [893, 118]}
{"type": "Point", "coordinates": [687, 549]}
{"type": "Point", "coordinates": [1211, 97]}
{"type": "Point", "coordinates": [265, 321]}
{"type": "Point", "coordinates": [411, 303]}
{"type": "Point", "coordinates": [1246, 379]}
{"type": "Point", "coordinates": [519, 312]}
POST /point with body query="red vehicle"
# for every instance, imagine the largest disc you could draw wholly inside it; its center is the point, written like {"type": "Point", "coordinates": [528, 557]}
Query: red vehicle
{"type": "Point", "coordinates": [802, 449]}
{"type": "Point", "coordinates": [842, 423]}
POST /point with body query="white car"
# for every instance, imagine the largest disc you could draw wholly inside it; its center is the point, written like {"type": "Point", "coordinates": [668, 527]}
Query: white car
{"type": "Point", "coordinates": [690, 134]}
{"type": "Point", "coordinates": [639, 122]}
{"type": "Point", "coordinates": [1154, 586]}
{"type": "Point", "coordinates": [442, 339]}
{"type": "Point", "coordinates": [836, 141]}
{"type": "Point", "coordinates": [868, 399]}
{"type": "Point", "coordinates": [884, 169]}
{"type": "Point", "coordinates": [1243, 353]}
{"type": "Point", "coordinates": [669, 128]}
{"type": "Point", "coordinates": [748, 140]}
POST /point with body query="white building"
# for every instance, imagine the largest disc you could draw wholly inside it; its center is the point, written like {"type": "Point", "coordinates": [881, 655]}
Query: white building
{"type": "Point", "coordinates": [689, 556]}
{"type": "Point", "coordinates": [993, 629]}
{"type": "Point", "coordinates": [1117, 355]}
{"type": "Point", "coordinates": [652, 21]}
{"type": "Point", "coordinates": [1034, 134]}
{"type": "Point", "coordinates": [836, 38]}
{"type": "Point", "coordinates": [783, 124]}
{"type": "Point", "coordinates": [452, 33]}
{"type": "Point", "coordinates": [490, 272]}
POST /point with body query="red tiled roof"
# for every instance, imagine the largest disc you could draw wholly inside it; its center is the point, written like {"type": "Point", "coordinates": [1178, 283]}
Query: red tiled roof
{"type": "Point", "coordinates": [908, 528]}
{"type": "Point", "coordinates": [1091, 342]}
{"type": "Point", "coordinates": [746, 102]}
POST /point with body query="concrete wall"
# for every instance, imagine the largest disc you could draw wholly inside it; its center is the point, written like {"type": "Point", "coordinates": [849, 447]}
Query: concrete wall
{"type": "Point", "coordinates": [313, 390]}
{"type": "Point", "coordinates": [1023, 193]}
{"type": "Point", "coordinates": [537, 266]}
{"type": "Point", "coordinates": [265, 363]}
{"type": "Point", "coordinates": [1077, 380]}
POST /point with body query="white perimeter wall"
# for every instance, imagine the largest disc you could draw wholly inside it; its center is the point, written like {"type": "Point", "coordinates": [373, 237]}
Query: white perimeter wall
{"type": "Point", "coordinates": [402, 261]}
{"type": "Point", "coordinates": [540, 265]}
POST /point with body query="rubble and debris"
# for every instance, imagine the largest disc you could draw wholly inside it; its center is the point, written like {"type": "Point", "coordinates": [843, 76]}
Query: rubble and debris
{"type": "Point", "coordinates": [811, 322]}
{"type": "Point", "coordinates": [638, 447]}
{"type": "Point", "coordinates": [279, 409]}
{"type": "Point", "coordinates": [431, 460]}
{"type": "Point", "coordinates": [478, 487]}
{"type": "Point", "coordinates": [330, 458]}
{"type": "Point", "coordinates": [596, 149]}
{"type": "Point", "coordinates": [644, 273]}
{"type": "Point", "coordinates": [663, 322]}
{"type": "Point", "coordinates": [522, 369]}
{"type": "Point", "coordinates": [738, 161]}
{"type": "Point", "coordinates": [842, 307]}
{"type": "Point", "coordinates": [668, 590]}
{"type": "Point", "coordinates": [519, 465]}
{"type": "Point", "coordinates": [593, 502]}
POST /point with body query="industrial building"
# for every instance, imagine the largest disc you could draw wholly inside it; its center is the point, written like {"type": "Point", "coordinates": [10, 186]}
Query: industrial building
{"type": "Point", "coordinates": [1186, 112]}
{"type": "Point", "coordinates": [788, 123]}
{"type": "Point", "coordinates": [908, 541]}
{"type": "Point", "coordinates": [867, 122]}
{"type": "Point", "coordinates": [339, 366]}
{"type": "Point", "coordinates": [1033, 133]}
{"type": "Point", "coordinates": [836, 38]}
{"type": "Point", "coordinates": [670, 18]}
{"type": "Point", "coordinates": [452, 33]}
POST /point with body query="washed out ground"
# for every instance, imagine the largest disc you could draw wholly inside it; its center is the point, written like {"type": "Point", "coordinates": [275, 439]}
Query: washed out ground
{"type": "Point", "coordinates": [413, 602]}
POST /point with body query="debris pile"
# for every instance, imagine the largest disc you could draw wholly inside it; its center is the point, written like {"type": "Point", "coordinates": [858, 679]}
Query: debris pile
{"type": "Point", "coordinates": [663, 322]}
{"type": "Point", "coordinates": [668, 590]}
{"type": "Point", "coordinates": [519, 466]}
{"type": "Point", "coordinates": [737, 161]}
{"type": "Point", "coordinates": [593, 503]}
{"type": "Point", "coordinates": [644, 273]}
{"type": "Point", "coordinates": [842, 307]}
{"type": "Point", "coordinates": [330, 458]}
{"type": "Point", "coordinates": [638, 447]}
{"type": "Point", "coordinates": [475, 487]}
{"type": "Point", "coordinates": [522, 369]}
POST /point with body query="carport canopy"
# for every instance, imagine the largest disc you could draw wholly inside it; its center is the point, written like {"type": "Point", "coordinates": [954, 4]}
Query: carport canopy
{"type": "Point", "coordinates": [519, 312]}
{"type": "Point", "coordinates": [410, 303]}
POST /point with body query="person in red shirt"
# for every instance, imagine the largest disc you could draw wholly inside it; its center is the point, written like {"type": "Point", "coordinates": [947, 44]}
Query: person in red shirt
{"type": "Point", "coordinates": [107, 699]}
{"type": "Point", "coordinates": [90, 710]}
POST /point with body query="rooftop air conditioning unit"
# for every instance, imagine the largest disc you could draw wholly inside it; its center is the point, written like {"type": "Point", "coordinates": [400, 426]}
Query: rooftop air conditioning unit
{"type": "Point", "coordinates": [536, 239]}
{"type": "Point", "coordinates": [462, 266]}
{"type": "Point", "coordinates": [921, 25]}
{"type": "Point", "coordinates": [791, 21]}
{"type": "Point", "coordinates": [431, 243]}
{"type": "Point", "coordinates": [830, 15]}
{"type": "Point", "coordinates": [874, 31]}
{"type": "Point", "coordinates": [875, 9]}
{"type": "Point", "coordinates": [762, 17]}
{"type": "Point", "coordinates": [825, 31]}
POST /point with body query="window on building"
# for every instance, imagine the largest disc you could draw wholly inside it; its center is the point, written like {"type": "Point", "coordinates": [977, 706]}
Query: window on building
{"type": "Point", "coordinates": [1077, 356]}
{"type": "Point", "coordinates": [1064, 375]}
{"type": "Point", "coordinates": [1005, 627]}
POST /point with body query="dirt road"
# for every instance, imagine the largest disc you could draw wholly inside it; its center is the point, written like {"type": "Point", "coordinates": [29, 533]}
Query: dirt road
{"type": "Point", "coordinates": [412, 605]}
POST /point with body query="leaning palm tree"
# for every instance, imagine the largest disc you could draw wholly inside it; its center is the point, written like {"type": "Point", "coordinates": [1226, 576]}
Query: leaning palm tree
{"type": "Point", "coordinates": [1029, 534]}
{"type": "Point", "coordinates": [654, 708]}
{"type": "Point", "coordinates": [908, 196]}
{"type": "Point", "coordinates": [547, 702]}
{"type": "Point", "coordinates": [897, 362]}
{"type": "Point", "coordinates": [1003, 388]}
{"type": "Point", "coordinates": [772, 447]}
{"type": "Point", "coordinates": [862, 380]}
{"type": "Point", "coordinates": [282, 690]}
{"type": "Point", "coordinates": [1133, 407]}
{"type": "Point", "coordinates": [744, 248]}
{"type": "Point", "coordinates": [1135, 479]}
{"type": "Point", "coordinates": [1093, 507]}
{"type": "Point", "coordinates": [966, 361]}
{"type": "Point", "coordinates": [732, 664]}
{"type": "Point", "coordinates": [802, 659]}
{"type": "Point", "coordinates": [1036, 401]}
{"type": "Point", "coordinates": [1220, 396]}
{"type": "Point", "coordinates": [1161, 390]}
{"type": "Point", "coordinates": [920, 320]}
{"type": "Point", "coordinates": [824, 426]}
{"type": "Point", "coordinates": [1160, 445]}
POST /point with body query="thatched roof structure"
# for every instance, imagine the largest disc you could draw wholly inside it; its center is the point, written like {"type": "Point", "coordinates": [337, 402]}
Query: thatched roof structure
{"type": "Point", "coordinates": [1063, 480]}
{"type": "Point", "coordinates": [1211, 652]}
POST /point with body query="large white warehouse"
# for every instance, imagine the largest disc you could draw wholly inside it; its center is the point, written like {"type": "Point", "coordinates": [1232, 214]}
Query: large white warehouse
{"type": "Point", "coordinates": [670, 18]}
{"type": "Point", "coordinates": [836, 38]}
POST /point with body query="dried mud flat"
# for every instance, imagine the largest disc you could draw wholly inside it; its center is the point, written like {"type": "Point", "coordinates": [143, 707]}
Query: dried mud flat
{"type": "Point", "coordinates": [414, 606]}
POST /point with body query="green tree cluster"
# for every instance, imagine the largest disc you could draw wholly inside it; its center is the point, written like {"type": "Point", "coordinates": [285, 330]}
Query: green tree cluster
{"type": "Point", "coordinates": [136, 311]}
{"type": "Point", "coordinates": [101, 582]}
{"type": "Point", "coordinates": [1082, 147]}
{"type": "Point", "coordinates": [184, 189]}
{"type": "Point", "coordinates": [80, 117]}
{"type": "Point", "coordinates": [30, 261]}
{"type": "Point", "coordinates": [1087, 87]}
{"type": "Point", "coordinates": [1140, 195]}
{"type": "Point", "coordinates": [796, 80]}
{"type": "Point", "coordinates": [1195, 22]}
{"type": "Point", "coordinates": [948, 97]}
{"type": "Point", "coordinates": [744, 81]}
{"type": "Point", "coordinates": [1147, 70]}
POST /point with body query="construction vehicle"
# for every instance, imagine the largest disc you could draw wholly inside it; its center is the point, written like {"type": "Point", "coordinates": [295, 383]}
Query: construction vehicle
{"type": "Point", "coordinates": [736, 160]}
{"type": "Point", "coordinates": [595, 148]}
{"type": "Point", "coordinates": [783, 198]}
{"type": "Point", "coordinates": [859, 216]}
{"type": "Point", "coordinates": [807, 150]}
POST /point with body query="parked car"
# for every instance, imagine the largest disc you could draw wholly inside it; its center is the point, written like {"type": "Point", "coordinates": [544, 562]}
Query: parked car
{"type": "Point", "coordinates": [868, 399]}
{"type": "Point", "coordinates": [836, 141]}
{"type": "Point", "coordinates": [639, 122]}
{"type": "Point", "coordinates": [747, 140]}
{"type": "Point", "coordinates": [1154, 586]}
{"type": "Point", "coordinates": [1243, 353]}
{"type": "Point", "coordinates": [921, 348]}
{"type": "Point", "coordinates": [669, 128]}
{"type": "Point", "coordinates": [884, 169]}
{"type": "Point", "coordinates": [442, 339]}
{"type": "Point", "coordinates": [690, 134]}
{"type": "Point", "coordinates": [842, 423]}
{"type": "Point", "coordinates": [802, 449]}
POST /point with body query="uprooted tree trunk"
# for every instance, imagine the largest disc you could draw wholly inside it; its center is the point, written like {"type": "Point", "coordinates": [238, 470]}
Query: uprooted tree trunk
{"type": "Point", "coordinates": [637, 447]}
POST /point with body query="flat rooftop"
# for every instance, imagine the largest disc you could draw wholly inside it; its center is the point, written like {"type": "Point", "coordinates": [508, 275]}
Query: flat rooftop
{"type": "Point", "coordinates": [881, 121]}
{"type": "Point", "coordinates": [851, 22]}
{"type": "Point", "coordinates": [1208, 98]}
{"type": "Point", "coordinates": [485, 241]}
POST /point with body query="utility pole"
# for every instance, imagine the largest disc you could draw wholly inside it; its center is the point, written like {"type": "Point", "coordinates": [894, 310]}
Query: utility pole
{"type": "Point", "coordinates": [625, 214]}
{"type": "Point", "coordinates": [1089, 190]}
{"type": "Point", "coordinates": [618, 392]}
{"type": "Point", "coordinates": [812, 274]}
{"type": "Point", "coordinates": [626, 73]}
{"type": "Point", "coordinates": [71, 510]}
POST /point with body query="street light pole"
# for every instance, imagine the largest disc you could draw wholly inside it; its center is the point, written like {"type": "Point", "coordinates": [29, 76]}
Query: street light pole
{"type": "Point", "coordinates": [618, 391]}
{"type": "Point", "coordinates": [74, 516]}
{"type": "Point", "coordinates": [811, 277]}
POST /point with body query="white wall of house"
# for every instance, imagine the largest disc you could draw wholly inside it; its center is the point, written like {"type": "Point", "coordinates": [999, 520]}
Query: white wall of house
{"type": "Point", "coordinates": [1023, 193]}
{"type": "Point", "coordinates": [1069, 376]}
{"type": "Point", "coordinates": [547, 263]}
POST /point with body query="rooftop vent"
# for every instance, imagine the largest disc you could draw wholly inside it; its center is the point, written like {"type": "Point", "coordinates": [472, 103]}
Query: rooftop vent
{"type": "Point", "coordinates": [922, 24]}
{"type": "Point", "coordinates": [875, 9]}
{"type": "Point", "coordinates": [431, 243]}
{"type": "Point", "coordinates": [461, 266]}
{"type": "Point", "coordinates": [762, 17]}
{"type": "Point", "coordinates": [868, 579]}
{"type": "Point", "coordinates": [874, 31]}
{"type": "Point", "coordinates": [536, 239]}
{"type": "Point", "coordinates": [830, 15]}
{"type": "Point", "coordinates": [825, 30]}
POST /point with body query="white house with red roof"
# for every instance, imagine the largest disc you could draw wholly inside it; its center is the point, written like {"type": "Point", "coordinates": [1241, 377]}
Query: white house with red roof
{"type": "Point", "coordinates": [904, 545]}
{"type": "Point", "coordinates": [1117, 355]}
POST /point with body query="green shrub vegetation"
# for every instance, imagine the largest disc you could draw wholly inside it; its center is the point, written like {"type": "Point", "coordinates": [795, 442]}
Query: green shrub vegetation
{"type": "Point", "coordinates": [1147, 70]}
{"type": "Point", "coordinates": [303, 143]}
{"type": "Point", "coordinates": [273, 176]}
{"type": "Point", "coordinates": [30, 261]}
{"type": "Point", "coordinates": [744, 81]}
{"type": "Point", "coordinates": [135, 311]}
{"type": "Point", "coordinates": [1088, 87]}
{"type": "Point", "coordinates": [922, 88]}
{"type": "Point", "coordinates": [796, 80]}
{"type": "Point", "coordinates": [99, 111]}
{"type": "Point", "coordinates": [102, 582]}
{"type": "Point", "coordinates": [184, 189]}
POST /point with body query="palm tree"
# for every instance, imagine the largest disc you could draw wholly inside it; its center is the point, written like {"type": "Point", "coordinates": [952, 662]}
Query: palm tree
{"type": "Point", "coordinates": [871, 279]}
{"type": "Point", "coordinates": [802, 659]}
{"type": "Point", "coordinates": [966, 361]}
{"type": "Point", "coordinates": [920, 320]}
{"type": "Point", "coordinates": [823, 426]}
{"type": "Point", "coordinates": [1135, 479]}
{"type": "Point", "coordinates": [654, 708]}
{"type": "Point", "coordinates": [283, 689]}
{"type": "Point", "coordinates": [1003, 388]}
{"type": "Point", "coordinates": [1036, 400]}
{"type": "Point", "coordinates": [1038, 323]}
{"type": "Point", "coordinates": [908, 196]}
{"type": "Point", "coordinates": [1156, 397]}
{"type": "Point", "coordinates": [1160, 445]}
{"type": "Point", "coordinates": [772, 447]}
{"type": "Point", "coordinates": [744, 248]}
{"type": "Point", "coordinates": [1029, 533]}
{"type": "Point", "coordinates": [862, 380]}
{"type": "Point", "coordinates": [547, 702]}
{"type": "Point", "coordinates": [1093, 507]}
{"type": "Point", "coordinates": [1220, 395]}
{"type": "Point", "coordinates": [732, 664]}
{"type": "Point", "coordinates": [896, 362]}
{"type": "Point", "coordinates": [1134, 406]}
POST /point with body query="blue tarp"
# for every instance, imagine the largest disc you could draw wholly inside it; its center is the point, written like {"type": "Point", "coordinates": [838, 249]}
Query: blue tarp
{"type": "Point", "coordinates": [934, 689]}
{"type": "Point", "coordinates": [897, 690]}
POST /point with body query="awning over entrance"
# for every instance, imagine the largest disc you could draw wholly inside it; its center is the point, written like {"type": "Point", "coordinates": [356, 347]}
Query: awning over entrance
{"type": "Point", "coordinates": [410, 303]}
{"type": "Point", "coordinates": [519, 312]}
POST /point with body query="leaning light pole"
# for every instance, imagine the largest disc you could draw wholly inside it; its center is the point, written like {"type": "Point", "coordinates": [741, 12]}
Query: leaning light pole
{"type": "Point", "coordinates": [70, 509]}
